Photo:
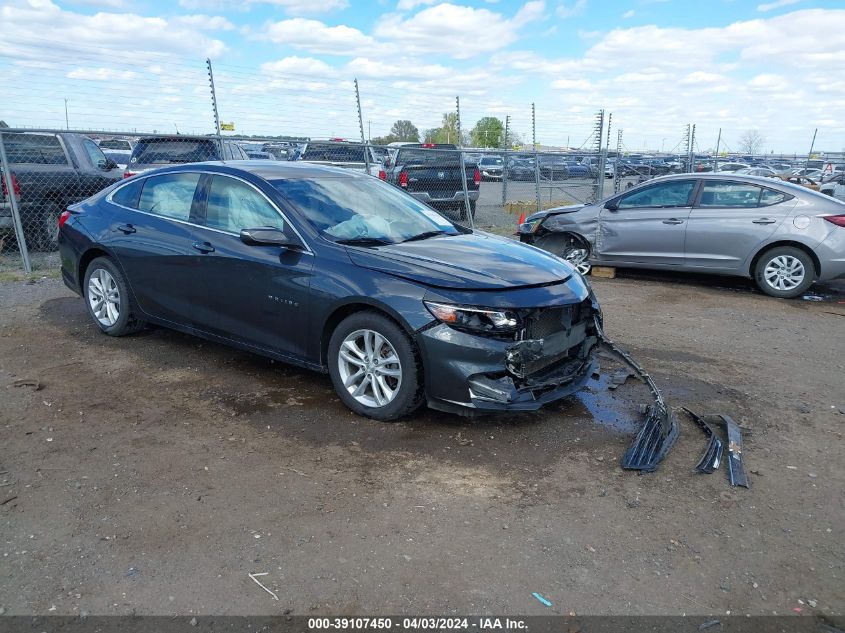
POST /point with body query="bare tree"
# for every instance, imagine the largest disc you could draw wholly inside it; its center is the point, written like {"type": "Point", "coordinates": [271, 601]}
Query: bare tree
{"type": "Point", "coordinates": [751, 142]}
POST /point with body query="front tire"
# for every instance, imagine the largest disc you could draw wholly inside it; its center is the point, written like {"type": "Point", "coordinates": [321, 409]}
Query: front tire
{"type": "Point", "coordinates": [374, 367]}
{"type": "Point", "coordinates": [108, 299]}
{"type": "Point", "coordinates": [784, 272]}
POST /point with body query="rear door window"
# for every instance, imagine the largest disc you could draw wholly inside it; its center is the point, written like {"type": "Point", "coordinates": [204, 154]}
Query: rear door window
{"type": "Point", "coordinates": [234, 205]}
{"type": "Point", "coordinates": [34, 149]}
{"type": "Point", "coordinates": [169, 195]}
{"type": "Point", "coordinates": [718, 193]}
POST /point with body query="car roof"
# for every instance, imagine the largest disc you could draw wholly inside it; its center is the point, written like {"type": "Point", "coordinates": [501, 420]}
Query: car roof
{"type": "Point", "coordinates": [271, 169]}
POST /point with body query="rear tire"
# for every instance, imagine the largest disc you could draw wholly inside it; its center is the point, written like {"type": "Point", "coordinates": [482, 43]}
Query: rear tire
{"type": "Point", "coordinates": [784, 272]}
{"type": "Point", "coordinates": [374, 367]}
{"type": "Point", "coordinates": [108, 299]}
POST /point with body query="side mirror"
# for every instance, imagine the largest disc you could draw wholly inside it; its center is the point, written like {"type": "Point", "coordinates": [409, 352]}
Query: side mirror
{"type": "Point", "coordinates": [267, 236]}
{"type": "Point", "coordinates": [611, 205]}
{"type": "Point", "coordinates": [108, 164]}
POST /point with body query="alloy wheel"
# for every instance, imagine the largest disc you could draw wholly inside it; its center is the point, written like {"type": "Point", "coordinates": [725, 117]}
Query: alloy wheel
{"type": "Point", "coordinates": [784, 272]}
{"type": "Point", "coordinates": [104, 297]}
{"type": "Point", "coordinates": [369, 368]}
{"type": "Point", "coordinates": [579, 258]}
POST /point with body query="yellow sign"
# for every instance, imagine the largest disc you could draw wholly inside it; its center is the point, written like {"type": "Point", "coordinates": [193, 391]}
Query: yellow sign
{"type": "Point", "coordinates": [228, 127]}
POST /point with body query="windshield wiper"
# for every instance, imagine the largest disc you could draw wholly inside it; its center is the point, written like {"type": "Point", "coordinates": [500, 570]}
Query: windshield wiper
{"type": "Point", "coordinates": [424, 236]}
{"type": "Point", "coordinates": [364, 241]}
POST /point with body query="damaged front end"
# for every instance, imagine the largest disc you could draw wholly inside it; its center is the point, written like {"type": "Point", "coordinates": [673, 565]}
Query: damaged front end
{"type": "Point", "coordinates": [548, 355]}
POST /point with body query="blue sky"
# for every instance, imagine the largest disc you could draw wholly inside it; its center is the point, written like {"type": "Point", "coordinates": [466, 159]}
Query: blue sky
{"type": "Point", "coordinates": [286, 66]}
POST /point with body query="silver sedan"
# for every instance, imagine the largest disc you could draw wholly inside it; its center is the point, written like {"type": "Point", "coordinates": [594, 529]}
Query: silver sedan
{"type": "Point", "coordinates": [782, 236]}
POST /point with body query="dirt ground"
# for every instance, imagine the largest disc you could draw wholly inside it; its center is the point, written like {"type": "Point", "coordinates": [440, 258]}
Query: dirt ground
{"type": "Point", "coordinates": [151, 474]}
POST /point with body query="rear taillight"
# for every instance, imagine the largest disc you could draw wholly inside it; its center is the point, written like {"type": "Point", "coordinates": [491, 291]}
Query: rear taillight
{"type": "Point", "coordinates": [403, 179]}
{"type": "Point", "coordinates": [838, 220]}
{"type": "Point", "coordinates": [128, 174]}
{"type": "Point", "coordinates": [476, 177]}
{"type": "Point", "coordinates": [429, 145]}
{"type": "Point", "coordinates": [64, 217]}
{"type": "Point", "coordinates": [15, 186]}
{"type": "Point", "coordinates": [382, 175]}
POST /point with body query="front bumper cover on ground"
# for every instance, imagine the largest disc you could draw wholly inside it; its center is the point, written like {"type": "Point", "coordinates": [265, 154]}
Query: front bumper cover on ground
{"type": "Point", "coordinates": [660, 429]}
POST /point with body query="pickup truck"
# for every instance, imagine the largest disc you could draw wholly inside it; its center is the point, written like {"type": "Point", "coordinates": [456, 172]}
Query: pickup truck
{"type": "Point", "coordinates": [343, 154]}
{"type": "Point", "coordinates": [49, 172]}
{"type": "Point", "coordinates": [432, 174]}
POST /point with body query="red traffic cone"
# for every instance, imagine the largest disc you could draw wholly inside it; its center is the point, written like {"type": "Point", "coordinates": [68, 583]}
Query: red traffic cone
{"type": "Point", "coordinates": [521, 218]}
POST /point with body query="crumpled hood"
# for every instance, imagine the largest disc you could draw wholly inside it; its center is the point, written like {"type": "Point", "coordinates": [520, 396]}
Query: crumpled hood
{"type": "Point", "coordinates": [476, 261]}
{"type": "Point", "coordinates": [556, 211]}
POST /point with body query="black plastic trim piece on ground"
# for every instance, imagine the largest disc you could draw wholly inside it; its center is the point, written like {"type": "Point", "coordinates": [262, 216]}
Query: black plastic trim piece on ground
{"type": "Point", "coordinates": [660, 429]}
{"type": "Point", "coordinates": [712, 457]}
{"type": "Point", "coordinates": [736, 469]}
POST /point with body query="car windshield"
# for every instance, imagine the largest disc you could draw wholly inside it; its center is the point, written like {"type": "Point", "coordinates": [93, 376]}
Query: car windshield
{"type": "Point", "coordinates": [363, 210]}
{"type": "Point", "coordinates": [490, 161]}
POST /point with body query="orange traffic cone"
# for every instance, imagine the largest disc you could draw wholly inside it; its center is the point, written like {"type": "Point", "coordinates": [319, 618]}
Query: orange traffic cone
{"type": "Point", "coordinates": [521, 218]}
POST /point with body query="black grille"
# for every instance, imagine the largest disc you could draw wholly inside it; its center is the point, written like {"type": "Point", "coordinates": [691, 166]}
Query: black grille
{"type": "Point", "coordinates": [547, 321]}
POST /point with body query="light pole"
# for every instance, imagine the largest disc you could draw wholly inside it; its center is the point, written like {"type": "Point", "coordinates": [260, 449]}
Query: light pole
{"type": "Point", "coordinates": [67, 121]}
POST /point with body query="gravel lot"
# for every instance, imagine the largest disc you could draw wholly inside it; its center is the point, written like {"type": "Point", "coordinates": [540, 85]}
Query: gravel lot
{"type": "Point", "coordinates": [152, 474]}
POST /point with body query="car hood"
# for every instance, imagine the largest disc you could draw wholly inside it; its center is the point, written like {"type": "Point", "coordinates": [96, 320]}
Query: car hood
{"type": "Point", "coordinates": [556, 211]}
{"type": "Point", "coordinates": [476, 261]}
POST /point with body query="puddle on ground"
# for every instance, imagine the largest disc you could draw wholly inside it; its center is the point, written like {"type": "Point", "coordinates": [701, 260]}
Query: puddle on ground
{"type": "Point", "coordinates": [616, 409]}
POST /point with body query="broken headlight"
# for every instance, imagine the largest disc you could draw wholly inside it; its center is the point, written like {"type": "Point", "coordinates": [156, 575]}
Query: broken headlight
{"type": "Point", "coordinates": [474, 319]}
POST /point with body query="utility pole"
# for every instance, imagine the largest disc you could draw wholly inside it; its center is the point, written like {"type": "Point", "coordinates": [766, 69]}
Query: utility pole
{"type": "Point", "coordinates": [505, 161]}
{"type": "Point", "coordinates": [67, 121]}
{"type": "Point", "coordinates": [467, 206]}
{"type": "Point", "coordinates": [616, 183]}
{"type": "Point", "coordinates": [536, 155]}
{"type": "Point", "coordinates": [718, 142]}
{"type": "Point", "coordinates": [812, 144]}
{"type": "Point", "coordinates": [598, 133]}
{"type": "Point", "coordinates": [361, 128]}
{"type": "Point", "coordinates": [214, 106]}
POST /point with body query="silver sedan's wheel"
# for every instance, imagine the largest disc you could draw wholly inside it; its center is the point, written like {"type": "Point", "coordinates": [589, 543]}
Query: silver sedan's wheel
{"type": "Point", "coordinates": [784, 272]}
{"type": "Point", "coordinates": [104, 297]}
{"type": "Point", "coordinates": [369, 368]}
{"type": "Point", "coordinates": [579, 258]}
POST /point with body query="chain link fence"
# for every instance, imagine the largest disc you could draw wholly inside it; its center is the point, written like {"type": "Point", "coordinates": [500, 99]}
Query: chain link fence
{"type": "Point", "coordinates": [45, 171]}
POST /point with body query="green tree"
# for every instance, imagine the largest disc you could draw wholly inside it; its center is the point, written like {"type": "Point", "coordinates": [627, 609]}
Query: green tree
{"type": "Point", "coordinates": [488, 132]}
{"type": "Point", "coordinates": [404, 130]}
{"type": "Point", "coordinates": [447, 132]}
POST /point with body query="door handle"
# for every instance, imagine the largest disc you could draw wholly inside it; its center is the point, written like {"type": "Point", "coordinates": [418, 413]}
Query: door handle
{"type": "Point", "coordinates": [126, 228]}
{"type": "Point", "coordinates": [673, 221]}
{"type": "Point", "coordinates": [764, 221]}
{"type": "Point", "coordinates": [204, 247]}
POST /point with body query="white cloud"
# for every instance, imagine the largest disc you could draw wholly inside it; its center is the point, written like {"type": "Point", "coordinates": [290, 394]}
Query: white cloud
{"type": "Point", "coordinates": [317, 37]}
{"type": "Point", "coordinates": [448, 29]}
{"type": "Point", "coordinates": [35, 29]}
{"type": "Point", "coordinates": [628, 14]}
{"type": "Point", "coordinates": [100, 74]}
{"type": "Point", "coordinates": [291, 7]}
{"type": "Point", "coordinates": [777, 4]}
{"type": "Point", "coordinates": [205, 22]}
{"type": "Point", "coordinates": [459, 31]}
{"type": "Point", "coordinates": [570, 10]}
{"type": "Point", "coordinates": [407, 5]}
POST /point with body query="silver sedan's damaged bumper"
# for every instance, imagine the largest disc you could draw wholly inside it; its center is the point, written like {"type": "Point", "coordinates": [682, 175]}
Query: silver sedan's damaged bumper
{"type": "Point", "coordinates": [467, 373]}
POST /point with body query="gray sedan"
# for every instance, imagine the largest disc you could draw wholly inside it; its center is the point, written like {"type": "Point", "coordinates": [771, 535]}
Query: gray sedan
{"type": "Point", "coordinates": [781, 235]}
